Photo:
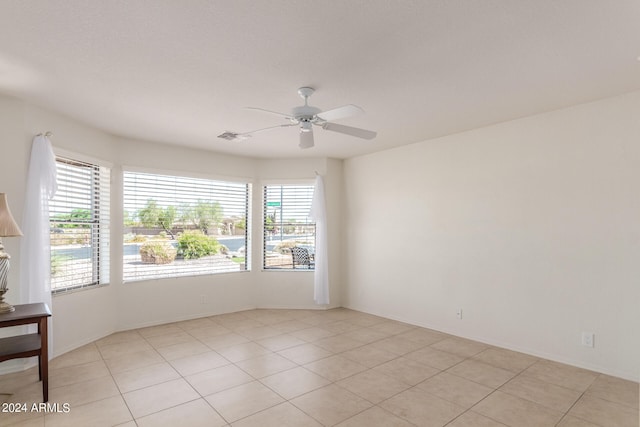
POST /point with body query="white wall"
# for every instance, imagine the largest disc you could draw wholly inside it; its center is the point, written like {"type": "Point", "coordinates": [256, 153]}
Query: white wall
{"type": "Point", "coordinates": [531, 227]}
{"type": "Point", "coordinates": [83, 316]}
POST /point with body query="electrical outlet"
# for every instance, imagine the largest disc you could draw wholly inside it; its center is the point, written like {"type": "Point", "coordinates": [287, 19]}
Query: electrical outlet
{"type": "Point", "coordinates": [588, 339]}
{"type": "Point", "coordinates": [203, 299]}
{"type": "Point", "coordinates": [459, 313]}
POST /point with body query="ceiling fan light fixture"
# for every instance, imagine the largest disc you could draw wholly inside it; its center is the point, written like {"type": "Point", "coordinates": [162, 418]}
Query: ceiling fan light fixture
{"type": "Point", "coordinates": [306, 140]}
{"type": "Point", "coordinates": [305, 126]}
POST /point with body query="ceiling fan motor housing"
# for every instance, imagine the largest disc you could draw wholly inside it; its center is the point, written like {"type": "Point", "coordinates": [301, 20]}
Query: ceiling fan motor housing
{"type": "Point", "coordinates": [305, 113]}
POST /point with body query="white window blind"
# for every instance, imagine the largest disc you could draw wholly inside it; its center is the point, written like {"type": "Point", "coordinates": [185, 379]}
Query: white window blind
{"type": "Point", "coordinates": [286, 225]}
{"type": "Point", "coordinates": [182, 226]}
{"type": "Point", "coordinates": [79, 220]}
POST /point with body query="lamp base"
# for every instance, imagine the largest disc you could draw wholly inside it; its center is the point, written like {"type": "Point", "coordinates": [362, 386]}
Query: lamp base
{"type": "Point", "coordinates": [5, 307]}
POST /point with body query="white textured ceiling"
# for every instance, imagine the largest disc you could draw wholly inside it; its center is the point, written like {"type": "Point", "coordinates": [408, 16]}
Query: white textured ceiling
{"type": "Point", "coordinates": [181, 71]}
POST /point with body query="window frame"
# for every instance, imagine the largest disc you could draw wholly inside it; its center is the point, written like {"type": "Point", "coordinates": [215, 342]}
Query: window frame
{"type": "Point", "coordinates": [99, 223]}
{"type": "Point", "coordinates": [302, 184]}
{"type": "Point", "coordinates": [179, 176]}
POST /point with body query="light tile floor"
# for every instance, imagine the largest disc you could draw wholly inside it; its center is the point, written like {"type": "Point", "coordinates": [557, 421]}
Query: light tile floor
{"type": "Point", "coordinates": [312, 368]}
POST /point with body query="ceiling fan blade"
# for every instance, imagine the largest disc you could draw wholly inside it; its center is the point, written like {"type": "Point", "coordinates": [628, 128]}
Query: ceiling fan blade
{"type": "Point", "coordinates": [269, 128]}
{"type": "Point", "coordinates": [235, 136]}
{"type": "Point", "coordinates": [306, 139]}
{"type": "Point", "coordinates": [349, 130]}
{"type": "Point", "coordinates": [286, 116]}
{"type": "Point", "coordinates": [340, 112]}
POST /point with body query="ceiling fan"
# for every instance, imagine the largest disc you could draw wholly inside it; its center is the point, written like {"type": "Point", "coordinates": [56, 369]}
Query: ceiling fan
{"type": "Point", "coordinates": [305, 117]}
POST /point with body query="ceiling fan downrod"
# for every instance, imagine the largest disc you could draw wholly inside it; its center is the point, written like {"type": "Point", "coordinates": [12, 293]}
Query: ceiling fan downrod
{"type": "Point", "coordinates": [305, 92]}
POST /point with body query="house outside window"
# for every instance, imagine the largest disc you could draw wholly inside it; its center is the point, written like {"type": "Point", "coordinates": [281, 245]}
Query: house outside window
{"type": "Point", "coordinates": [79, 226]}
{"type": "Point", "coordinates": [182, 226]}
{"type": "Point", "coordinates": [289, 238]}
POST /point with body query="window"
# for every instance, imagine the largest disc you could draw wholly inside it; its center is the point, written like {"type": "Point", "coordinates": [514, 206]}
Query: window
{"type": "Point", "coordinates": [286, 225]}
{"type": "Point", "coordinates": [180, 226]}
{"type": "Point", "coordinates": [79, 226]}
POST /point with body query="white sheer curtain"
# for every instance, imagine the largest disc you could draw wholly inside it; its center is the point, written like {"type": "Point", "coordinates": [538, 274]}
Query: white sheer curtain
{"type": "Point", "coordinates": [35, 250]}
{"type": "Point", "coordinates": [321, 273]}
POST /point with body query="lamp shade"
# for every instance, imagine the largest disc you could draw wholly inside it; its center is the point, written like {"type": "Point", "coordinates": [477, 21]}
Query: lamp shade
{"type": "Point", "coordinates": [8, 226]}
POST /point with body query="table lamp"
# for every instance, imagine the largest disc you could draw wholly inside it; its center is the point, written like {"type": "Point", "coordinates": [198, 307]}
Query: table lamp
{"type": "Point", "coordinates": [8, 228]}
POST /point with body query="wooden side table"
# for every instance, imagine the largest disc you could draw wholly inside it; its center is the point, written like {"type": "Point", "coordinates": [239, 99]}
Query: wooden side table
{"type": "Point", "coordinates": [28, 345]}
